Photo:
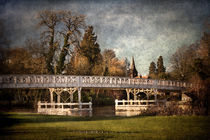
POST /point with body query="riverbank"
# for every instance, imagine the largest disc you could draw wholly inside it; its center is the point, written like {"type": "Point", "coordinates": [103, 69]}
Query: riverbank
{"type": "Point", "coordinates": [35, 126]}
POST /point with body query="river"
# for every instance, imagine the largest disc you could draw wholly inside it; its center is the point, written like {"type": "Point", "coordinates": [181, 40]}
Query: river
{"type": "Point", "coordinates": [98, 111]}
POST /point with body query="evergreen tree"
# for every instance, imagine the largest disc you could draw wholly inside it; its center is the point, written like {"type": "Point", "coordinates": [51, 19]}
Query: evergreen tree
{"type": "Point", "coordinates": [152, 68]}
{"type": "Point", "coordinates": [90, 48]}
{"type": "Point", "coordinates": [160, 66]}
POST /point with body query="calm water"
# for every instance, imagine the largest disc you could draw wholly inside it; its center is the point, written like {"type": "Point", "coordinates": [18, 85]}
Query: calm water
{"type": "Point", "coordinates": [106, 111]}
{"type": "Point", "coordinates": [103, 111]}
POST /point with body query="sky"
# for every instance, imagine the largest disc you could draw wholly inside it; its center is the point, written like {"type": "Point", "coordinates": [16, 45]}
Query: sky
{"type": "Point", "coordinates": [144, 29]}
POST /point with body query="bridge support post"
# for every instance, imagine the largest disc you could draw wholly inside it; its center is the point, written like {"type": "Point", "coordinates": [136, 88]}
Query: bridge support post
{"type": "Point", "coordinates": [128, 94]}
{"type": "Point", "coordinates": [71, 97]}
{"type": "Point", "coordinates": [134, 94]}
{"type": "Point", "coordinates": [59, 99]}
{"type": "Point", "coordinates": [147, 103]}
{"type": "Point", "coordinates": [51, 96]}
{"type": "Point", "coordinates": [79, 97]}
{"type": "Point", "coordinates": [155, 96]}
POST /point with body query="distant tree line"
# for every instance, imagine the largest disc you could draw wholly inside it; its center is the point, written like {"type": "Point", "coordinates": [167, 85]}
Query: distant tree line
{"type": "Point", "coordinates": [191, 64]}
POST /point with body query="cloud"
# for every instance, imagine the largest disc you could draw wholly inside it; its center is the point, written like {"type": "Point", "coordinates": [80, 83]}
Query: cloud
{"type": "Point", "coordinates": [143, 29]}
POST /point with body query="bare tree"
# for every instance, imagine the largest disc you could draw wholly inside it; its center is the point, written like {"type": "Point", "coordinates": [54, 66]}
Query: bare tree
{"type": "Point", "coordinates": [73, 25]}
{"type": "Point", "coordinates": [112, 65]}
{"type": "Point", "coordinates": [49, 20]}
{"type": "Point", "coordinates": [4, 47]}
{"type": "Point", "coordinates": [37, 54]}
{"type": "Point", "coordinates": [182, 60]}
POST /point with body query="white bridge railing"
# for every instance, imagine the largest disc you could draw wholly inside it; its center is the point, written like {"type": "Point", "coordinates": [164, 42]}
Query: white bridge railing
{"type": "Point", "coordinates": [53, 81]}
{"type": "Point", "coordinates": [137, 104]}
{"type": "Point", "coordinates": [64, 106]}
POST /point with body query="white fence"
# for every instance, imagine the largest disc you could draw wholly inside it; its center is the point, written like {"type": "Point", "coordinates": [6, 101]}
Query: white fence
{"type": "Point", "coordinates": [137, 104]}
{"type": "Point", "coordinates": [65, 106]}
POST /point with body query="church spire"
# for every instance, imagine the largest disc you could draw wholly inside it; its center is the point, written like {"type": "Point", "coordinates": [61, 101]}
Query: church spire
{"type": "Point", "coordinates": [133, 71]}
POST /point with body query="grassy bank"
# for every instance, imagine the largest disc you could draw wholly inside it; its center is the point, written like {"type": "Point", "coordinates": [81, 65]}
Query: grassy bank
{"type": "Point", "coordinates": [34, 126]}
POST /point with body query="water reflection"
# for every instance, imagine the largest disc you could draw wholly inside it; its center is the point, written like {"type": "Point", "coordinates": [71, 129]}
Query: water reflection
{"type": "Point", "coordinates": [98, 111]}
{"type": "Point", "coordinates": [127, 113]}
{"type": "Point", "coordinates": [107, 111]}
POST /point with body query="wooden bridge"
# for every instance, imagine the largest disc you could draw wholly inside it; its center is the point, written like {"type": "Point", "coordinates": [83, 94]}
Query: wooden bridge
{"type": "Point", "coordinates": [57, 84]}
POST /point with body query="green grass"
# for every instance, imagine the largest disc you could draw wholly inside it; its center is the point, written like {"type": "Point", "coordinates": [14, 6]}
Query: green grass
{"type": "Point", "coordinates": [35, 126]}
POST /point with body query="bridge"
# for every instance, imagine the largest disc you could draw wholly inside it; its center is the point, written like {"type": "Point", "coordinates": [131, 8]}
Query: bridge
{"type": "Point", "coordinates": [57, 84]}
{"type": "Point", "coordinates": [60, 81]}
